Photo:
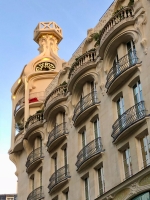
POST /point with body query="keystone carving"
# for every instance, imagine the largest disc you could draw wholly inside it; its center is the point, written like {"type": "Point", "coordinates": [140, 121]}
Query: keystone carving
{"type": "Point", "coordinates": [133, 188]}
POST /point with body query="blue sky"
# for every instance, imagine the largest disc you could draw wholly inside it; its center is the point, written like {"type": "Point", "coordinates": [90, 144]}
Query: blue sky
{"type": "Point", "coordinates": [18, 20]}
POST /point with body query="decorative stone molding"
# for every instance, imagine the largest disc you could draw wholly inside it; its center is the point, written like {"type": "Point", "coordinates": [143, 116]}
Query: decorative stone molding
{"type": "Point", "coordinates": [109, 197]}
{"type": "Point", "coordinates": [26, 146]}
{"type": "Point", "coordinates": [122, 195]}
{"type": "Point", "coordinates": [103, 89]}
{"type": "Point", "coordinates": [145, 180]}
{"type": "Point", "coordinates": [134, 188]}
{"type": "Point", "coordinates": [52, 85]}
{"type": "Point", "coordinates": [48, 43]}
{"type": "Point", "coordinates": [140, 22]}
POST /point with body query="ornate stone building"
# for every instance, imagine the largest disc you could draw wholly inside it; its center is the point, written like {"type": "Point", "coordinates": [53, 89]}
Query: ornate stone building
{"type": "Point", "coordinates": [81, 129]}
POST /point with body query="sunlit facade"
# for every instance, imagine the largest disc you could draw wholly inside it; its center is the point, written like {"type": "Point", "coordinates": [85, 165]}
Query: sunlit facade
{"type": "Point", "coordinates": [81, 129]}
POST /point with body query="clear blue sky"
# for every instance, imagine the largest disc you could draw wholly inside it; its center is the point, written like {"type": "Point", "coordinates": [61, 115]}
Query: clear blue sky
{"type": "Point", "coordinates": [18, 19]}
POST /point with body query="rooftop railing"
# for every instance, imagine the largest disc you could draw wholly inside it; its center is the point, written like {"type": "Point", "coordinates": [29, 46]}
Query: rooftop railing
{"type": "Point", "coordinates": [124, 13]}
{"type": "Point", "coordinates": [89, 151]}
{"type": "Point", "coordinates": [128, 118]}
{"type": "Point", "coordinates": [121, 66]}
{"type": "Point", "coordinates": [84, 103]}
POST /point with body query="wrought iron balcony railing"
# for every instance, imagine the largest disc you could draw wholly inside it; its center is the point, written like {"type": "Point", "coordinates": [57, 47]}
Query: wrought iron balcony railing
{"type": "Point", "coordinates": [19, 105]}
{"type": "Point", "coordinates": [123, 14]}
{"type": "Point", "coordinates": [90, 150]}
{"type": "Point", "coordinates": [36, 194]}
{"type": "Point", "coordinates": [59, 176]}
{"type": "Point", "coordinates": [87, 57]}
{"type": "Point", "coordinates": [121, 66]}
{"type": "Point", "coordinates": [35, 155]}
{"type": "Point", "coordinates": [128, 118]}
{"type": "Point", "coordinates": [57, 132]}
{"type": "Point", "coordinates": [38, 117]}
{"type": "Point", "coordinates": [58, 91]}
{"type": "Point", "coordinates": [84, 103]}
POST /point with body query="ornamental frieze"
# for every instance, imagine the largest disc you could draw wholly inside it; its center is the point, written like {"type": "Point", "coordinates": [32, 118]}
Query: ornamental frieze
{"type": "Point", "coordinates": [45, 66]}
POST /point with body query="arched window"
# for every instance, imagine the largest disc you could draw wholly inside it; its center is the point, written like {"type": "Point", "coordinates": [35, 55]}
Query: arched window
{"type": "Point", "coordinates": [145, 196]}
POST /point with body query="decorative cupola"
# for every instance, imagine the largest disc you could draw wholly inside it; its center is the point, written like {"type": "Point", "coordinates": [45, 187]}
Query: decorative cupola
{"type": "Point", "coordinates": [48, 35]}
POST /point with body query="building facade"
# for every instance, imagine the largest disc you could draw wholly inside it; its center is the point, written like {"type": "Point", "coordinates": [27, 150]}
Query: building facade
{"type": "Point", "coordinates": [8, 197]}
{"type": "Point", "coordinates": [81, 129]}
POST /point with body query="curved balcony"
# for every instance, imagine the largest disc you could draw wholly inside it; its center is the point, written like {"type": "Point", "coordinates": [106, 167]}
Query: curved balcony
{"type": "Point", "coordinates": [58, 95]}
{"type": "Point", "coordinates": [56, 136]}
{"type": "Point", "coordinates": [18, 144]}
{"type": "Point", "coordinates": [59, 178]}
{"type": "Point", "coordinates": [36, 99]}
{"type": "Point", "coordinates": [34, 122]}
{"type": "Point", "coordinates": [36, 194]}
{"type": "Point", "coordinates": [121, 70]}
{"type": "Point", "coordinates": [128, 121]}
{"type": "Point", "coordinates": [34, 158]}
{"type": "Point", "coordinates": [86, 105]}
{"type": "Point", "coordinates": [80, 66]}
{"type": "Point", "coordinates": [122, 19]}
{"type": "Point", "coordinates": [90, 152]}
{"type": "Point", "coordinates": [19, 109]}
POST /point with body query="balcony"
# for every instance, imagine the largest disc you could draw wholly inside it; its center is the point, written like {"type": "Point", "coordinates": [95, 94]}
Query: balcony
{"type": "Point", "coordinates": [129, 120]}
{"type": "Point", "coordinates": [59, 178]}
{"type": "Point", "coordinates": [36, 194]}
{"type": "Point", "coordinates": [19, 109]}
{"type": "Point", "coordinates": [58, 95]}
{"type": "Point", "coordinates": [34, 158]}
{"type": "Point", "coordinates": [90, 152]}
{"type": "Point", "coordinates": [86, 105]}
{"type": "Point", "coordinates": [56, 136]}
{"type": "Point", "coordinates": [80, 66]}
{"type": "Point", "coordinates": [122, 19]}
{"type": "Point", "coordinates": [34, 122]}
{"type": "Point", "coordinates": [121, 70]}
{"type": "Point", "coordinates": [36, 99]}
{"type": "Point", "coordinates": [18, 144]}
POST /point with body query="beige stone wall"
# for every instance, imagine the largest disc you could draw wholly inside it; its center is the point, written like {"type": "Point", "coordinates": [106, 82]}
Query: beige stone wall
{"type": "Point", "coordinates": [85, 71]}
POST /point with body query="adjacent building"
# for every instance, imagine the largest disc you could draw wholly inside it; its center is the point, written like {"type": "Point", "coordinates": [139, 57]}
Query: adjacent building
{"type": "Point", "coordinates": [8, 197]}
{"type": "Point", "coordinates": [81, 129]}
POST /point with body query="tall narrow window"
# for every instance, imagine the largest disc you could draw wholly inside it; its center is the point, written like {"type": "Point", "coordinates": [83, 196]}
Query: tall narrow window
{"type": "Point", "coordinates": [120, 111]}
{"type": "Point", "coordinates": [55, 164]}
{"type": "Point", "coordinates": [41, 178]}
{"type": "Point", "coordinates": [63, 117]}
{"type": "Point", "coordinates": [81, 102]}
{"type": "Point", "coordinates": [83, 134]}
{"type": "Point", "coordinates": [145, 148]}
{"type": "Point", "coordinates": [116, 68]}
{"type": "Point", "coordinates": [96, 128]}
{"type": "Point", "coordinates": [66, 195]}
{"type": "Point", "coordinates": [137, 92]}
{"type": "Point", "coordinates": [86, 184]}
{"type": "Point", "coordinates": [131, 53]}
{"type": "Point", "coordinates": [120, 106]}
{"type": "Point", "coordinates": [65, 156]}
{"type": "Point", "coordinates": [127, 163]}
{"type": "Point", "coordinates": [32, 183]}
{"type": "Point", "coordinates": [101, 182]}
